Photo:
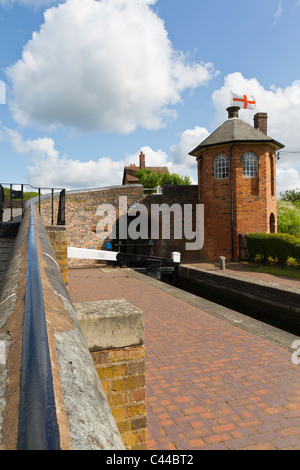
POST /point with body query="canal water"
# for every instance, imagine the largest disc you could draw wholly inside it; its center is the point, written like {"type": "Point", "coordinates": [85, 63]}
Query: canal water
{"type": "Point", "coordinates": [268, 314]}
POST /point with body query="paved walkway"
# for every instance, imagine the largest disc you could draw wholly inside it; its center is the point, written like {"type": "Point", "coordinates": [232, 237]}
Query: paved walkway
{"type": "Point", "coordinates": [210, 383]}
{"type": "Point", "coordinates": [17, 215]}
{"type": "Point", "coordinates": [6, 247]}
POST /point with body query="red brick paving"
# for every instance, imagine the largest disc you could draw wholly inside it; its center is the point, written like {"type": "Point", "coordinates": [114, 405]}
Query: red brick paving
{"type": "Point", "coordinates": [210, 384]}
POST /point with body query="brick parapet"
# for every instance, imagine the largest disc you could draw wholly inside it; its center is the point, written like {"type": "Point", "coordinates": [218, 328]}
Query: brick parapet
{"type": "Point", "coordinates": [84, 418]}
{"type": "Point", "coordinates": [58, 237]}
{"type": "Point", "coordinates": [122, 374]}
{"type": "Point", "coordinates": [82, 220]}
{"type": "Point", "coordinates": [80, 214]}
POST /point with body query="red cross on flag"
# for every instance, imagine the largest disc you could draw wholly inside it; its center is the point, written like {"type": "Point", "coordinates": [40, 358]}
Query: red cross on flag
{"type": "Point", "coordinates": [243, 101]}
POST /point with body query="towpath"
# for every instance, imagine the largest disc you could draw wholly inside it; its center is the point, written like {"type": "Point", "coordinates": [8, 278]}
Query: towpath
{"type": "Point", "coordinates": [213, 381]}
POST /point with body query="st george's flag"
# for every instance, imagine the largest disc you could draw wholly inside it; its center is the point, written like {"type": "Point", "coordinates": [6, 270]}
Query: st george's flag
{"type": "Point", "coordinates": [2, 92]}
{"type": "Point", "coordinates": [243, 101]}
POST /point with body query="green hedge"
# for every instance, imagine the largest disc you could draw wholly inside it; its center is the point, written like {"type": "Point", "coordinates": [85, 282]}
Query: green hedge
{"type": "Point", "coordinates": [278, 246]}
{"type": "Point", "coordinates": [26, 195]}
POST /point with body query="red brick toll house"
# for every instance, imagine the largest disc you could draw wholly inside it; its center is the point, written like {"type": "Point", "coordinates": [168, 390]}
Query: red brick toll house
{"type": "Point", "coordinates": [236, 184]}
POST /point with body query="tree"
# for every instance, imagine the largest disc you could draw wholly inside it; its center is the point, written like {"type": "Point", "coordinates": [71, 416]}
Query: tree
{"type": "Point", "coordinates": [291, 195]}
{"type": "Point", "coordinates": [288, 215]}
{"type": "Point", "coordinates": [149, 179]}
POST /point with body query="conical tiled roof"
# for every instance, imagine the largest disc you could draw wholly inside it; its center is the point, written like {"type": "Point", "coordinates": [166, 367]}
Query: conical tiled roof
{"type": "Point", "coordinates": [235, 130]}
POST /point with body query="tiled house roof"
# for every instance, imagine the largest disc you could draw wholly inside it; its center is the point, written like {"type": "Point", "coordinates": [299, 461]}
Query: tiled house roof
{"type": "Point", "coordinates": [235, 130]}
{"type": "Point", "coordinates": [130, 171]}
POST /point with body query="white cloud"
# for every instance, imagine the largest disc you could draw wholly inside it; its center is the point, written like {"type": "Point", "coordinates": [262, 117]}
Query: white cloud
{"type": "Point", "coordinates": [106, 66]}
{"type": "Point", "coordinates": [28, 3]}
{"type": "Point", "coordinates": [281, 104]}
{"type": "Point", "coordinates": [188, 141]}
{"type": "Point", "coordinates": [283, 108]}
{"type": "Point", "coordinates": [48, 169]}
{"type": "Point", "coordinates": [277, 14]}
{"type": "Point", "coordinates": [153, 157]}
{"type": "Point", "coordinates": [287, 178]}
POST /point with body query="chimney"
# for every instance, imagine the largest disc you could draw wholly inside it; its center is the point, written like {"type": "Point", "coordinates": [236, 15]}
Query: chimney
{"type": "Point", "coordinates": [233, 112]}
{"type": "Point", "coordinates": [261, 122]}
{"type": "Point", "coordinates": [142, 160]}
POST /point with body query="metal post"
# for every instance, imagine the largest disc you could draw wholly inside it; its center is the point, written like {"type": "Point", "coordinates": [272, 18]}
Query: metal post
{"type": "Point", "coordinates": [11, 204]}
{"type": "Point", "coordinates": [22, 189]}
{"type": "Point", "coordinates": [61, 216]}
{"type": "Point", "coordinates": [52, 193]}
{"type": "Point", "coordinates": [39, 200]}
{"type": "Point", "coordinates": [1, 202]}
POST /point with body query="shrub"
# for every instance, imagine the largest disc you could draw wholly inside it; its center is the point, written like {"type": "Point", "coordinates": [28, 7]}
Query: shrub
{"type": "Point", "coordinates": [288, 215]}
{"type": "Point", "coordinates": [278, 246]}
{"type": "Point", "coordinates": [26, 195]}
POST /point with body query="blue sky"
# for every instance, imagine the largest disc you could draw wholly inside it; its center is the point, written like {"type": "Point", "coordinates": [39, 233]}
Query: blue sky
{"type": "Point", "coordinates": [92, 83]}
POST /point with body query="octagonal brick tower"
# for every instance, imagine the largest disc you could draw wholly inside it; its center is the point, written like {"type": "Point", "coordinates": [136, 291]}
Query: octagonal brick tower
{"type": "Point", "coordinates": [236, 184]}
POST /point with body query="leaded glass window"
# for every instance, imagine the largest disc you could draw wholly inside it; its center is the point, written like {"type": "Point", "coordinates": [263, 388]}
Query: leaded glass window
{"type": "Point", "coordinates": [250, 165]}
{"type": "Point", "coordinates": [221, 167]}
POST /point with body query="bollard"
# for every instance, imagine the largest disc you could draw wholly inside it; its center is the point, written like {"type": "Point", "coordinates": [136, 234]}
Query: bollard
{"type": "Point", "coordinates": [176, 257]}
{"type": "Point", "coordinates": [222, 260]}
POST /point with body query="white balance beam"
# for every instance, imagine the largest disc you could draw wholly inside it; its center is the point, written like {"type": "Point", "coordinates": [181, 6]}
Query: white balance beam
{"type": "Point", "coordinates": [84, 253]}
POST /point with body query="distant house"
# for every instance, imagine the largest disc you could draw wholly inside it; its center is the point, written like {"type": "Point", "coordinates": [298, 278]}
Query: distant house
{"type": "Point", "coordinates": [129, 175]}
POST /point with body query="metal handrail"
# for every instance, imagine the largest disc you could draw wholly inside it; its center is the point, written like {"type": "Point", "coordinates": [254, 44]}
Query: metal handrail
{"type": "Point", "coordinates": [38, 428]}
{"type": "Point", "coordinates": [61, 216]}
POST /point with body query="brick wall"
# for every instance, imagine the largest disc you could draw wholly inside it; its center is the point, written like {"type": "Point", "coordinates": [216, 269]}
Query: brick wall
{"type": "Point", "coordinates": [59, 242]}
{"type": "Point", "coordinates": [122, 374]}
{"type": "Point", "coordinates": [215, 195]}
{"type": "Point", "coordinates": [81, 218]}
{"type": "Point", "coordinates": [173, 194]}
{"type": "Point", "coordinates": [80, 211]}
{"type": "Point", "coordinates": [254, 199]}
{"type": "Point", "coordinates": [114, 332]}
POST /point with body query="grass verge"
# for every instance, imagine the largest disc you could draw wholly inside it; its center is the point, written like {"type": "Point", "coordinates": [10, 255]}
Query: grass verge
{"type": "Point", "coordinates": [291, 270]}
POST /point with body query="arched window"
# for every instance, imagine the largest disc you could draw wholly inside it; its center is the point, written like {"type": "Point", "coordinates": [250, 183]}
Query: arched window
{"type": "Point", "coordinates": [221, 167]}
{"type": "Point", "coordinates": [250, 165]}
{"type": "Point", "coordinates": [272, 223]}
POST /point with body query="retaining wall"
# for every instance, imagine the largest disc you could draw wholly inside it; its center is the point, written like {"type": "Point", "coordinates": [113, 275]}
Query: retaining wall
{"type": "Point", "coordinates": [81, 218]}
{"type": "Point", "coordinates": [279, 302]}
{"type": "Point", "coordinates": [82, 412]}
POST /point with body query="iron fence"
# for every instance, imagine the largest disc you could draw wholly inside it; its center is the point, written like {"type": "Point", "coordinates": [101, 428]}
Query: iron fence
{"type": "Point", "coordinates": [16, 200]}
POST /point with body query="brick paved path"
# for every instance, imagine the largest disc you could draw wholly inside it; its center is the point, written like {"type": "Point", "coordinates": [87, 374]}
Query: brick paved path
{"type": "Point", "coordinates": [210, 384]}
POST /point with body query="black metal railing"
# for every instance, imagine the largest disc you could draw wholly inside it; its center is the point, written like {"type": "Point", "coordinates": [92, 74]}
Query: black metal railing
{"type": "Point", "coordinates": [38, 427]}
{"type": "Point", "coordinates": [1, 202]}
{"type": "Point", "coordinates": [16, 200]}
